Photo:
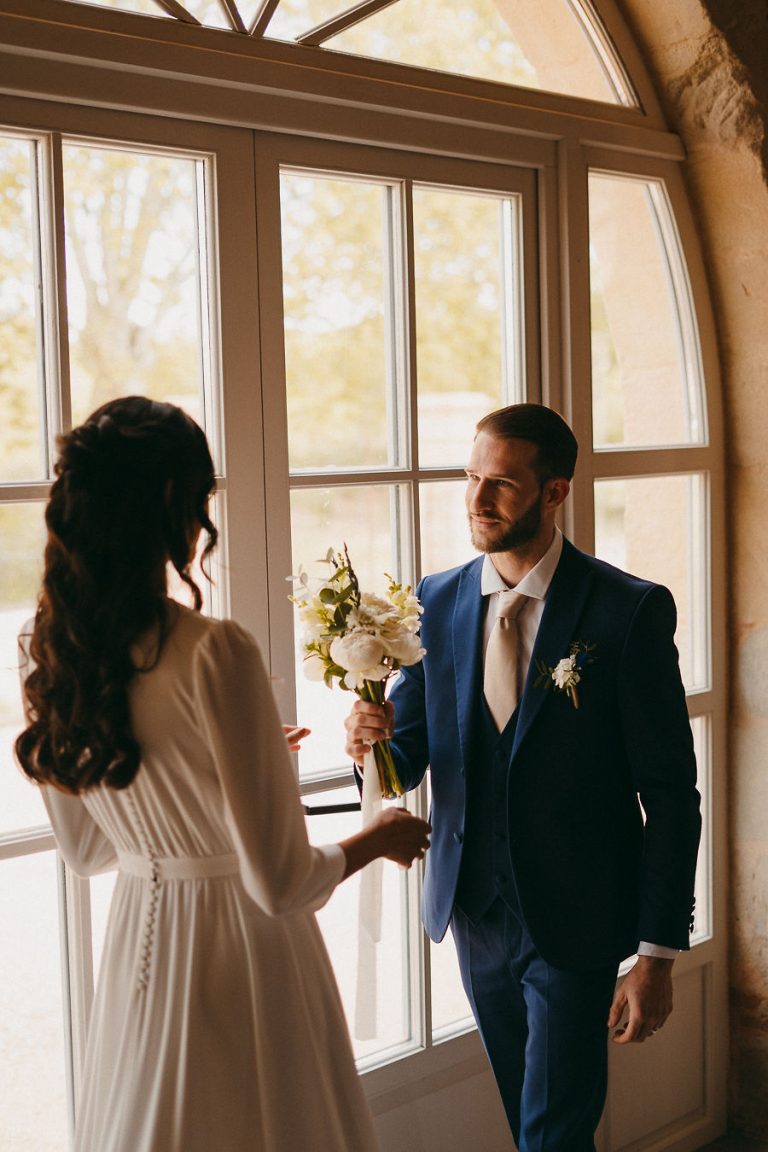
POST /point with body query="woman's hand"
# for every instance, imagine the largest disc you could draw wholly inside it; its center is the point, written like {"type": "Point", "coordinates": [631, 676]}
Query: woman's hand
{"type": "Point", "coordinates": [294, 736]}
{"type": "Point", "coordinates": [405, 837]}
{"type": "Point", "coordinates": [394, 834]}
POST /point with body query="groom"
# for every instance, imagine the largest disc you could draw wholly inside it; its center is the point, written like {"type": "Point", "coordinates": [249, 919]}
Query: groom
{"type": "Point", "coordinates": [543, 861]}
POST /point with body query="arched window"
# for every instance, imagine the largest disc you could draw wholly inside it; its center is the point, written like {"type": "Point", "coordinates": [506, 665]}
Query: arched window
{"type": "Point", "coordinates": [337, 255]}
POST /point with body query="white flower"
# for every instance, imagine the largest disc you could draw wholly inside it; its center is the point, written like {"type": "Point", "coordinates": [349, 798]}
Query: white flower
{"type": "Point", "coordinates": [357, 652]}
{"type": "Point", "coordinates": [565, 674]}
{"type": "Point", "coordinates": [357, 680]}
{"type": "Point", "coordinates": [406, 649]}
{"type": "Point", "coordinates": [314, 666]}
{"type": "Point", "coordinates": [313, 619]}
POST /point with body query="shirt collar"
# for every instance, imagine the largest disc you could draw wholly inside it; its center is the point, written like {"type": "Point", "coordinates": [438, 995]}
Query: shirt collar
{"type": "Point", "coordinates": [535, 583]}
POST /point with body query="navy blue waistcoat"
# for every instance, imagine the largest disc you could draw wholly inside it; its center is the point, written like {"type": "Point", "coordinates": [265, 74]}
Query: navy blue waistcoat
{"type": "Point", "coordinates": [486, 866]}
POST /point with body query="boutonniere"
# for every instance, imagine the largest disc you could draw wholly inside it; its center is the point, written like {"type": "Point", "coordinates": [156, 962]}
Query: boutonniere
{"type": "Point", "coordinates": [566, 674]}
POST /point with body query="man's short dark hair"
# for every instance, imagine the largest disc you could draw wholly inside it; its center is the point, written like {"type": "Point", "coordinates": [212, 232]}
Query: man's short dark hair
{"type": "Point", "coordinates": [542, 426]}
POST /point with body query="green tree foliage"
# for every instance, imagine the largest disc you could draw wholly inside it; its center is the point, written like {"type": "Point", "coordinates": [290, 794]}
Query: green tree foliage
{"type": "Point", "coordinates": [131, 247]}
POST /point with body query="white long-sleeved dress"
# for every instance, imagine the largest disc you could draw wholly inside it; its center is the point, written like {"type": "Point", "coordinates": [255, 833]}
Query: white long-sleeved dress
{"type": "Point", "coordinates": [217, 1024]}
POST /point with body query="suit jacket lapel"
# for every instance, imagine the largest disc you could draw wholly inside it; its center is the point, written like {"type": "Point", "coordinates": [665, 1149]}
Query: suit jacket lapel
{"type": "Point", "coordinates": [467, 629]}
{"type": "Point", "coordinates": [565, 602]}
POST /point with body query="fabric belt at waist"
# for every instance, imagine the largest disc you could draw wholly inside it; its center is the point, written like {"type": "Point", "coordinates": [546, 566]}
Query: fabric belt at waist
{"type": "Point", "coordinates": [178, 867]}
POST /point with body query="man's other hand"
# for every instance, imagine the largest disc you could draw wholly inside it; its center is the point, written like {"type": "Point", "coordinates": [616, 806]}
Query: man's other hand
{"type": "Point", "coordinates": [645, 995]}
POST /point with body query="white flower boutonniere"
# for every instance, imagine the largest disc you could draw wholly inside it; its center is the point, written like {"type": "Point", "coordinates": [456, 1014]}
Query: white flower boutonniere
{"type": "Point", "coordinates": [567, 673]}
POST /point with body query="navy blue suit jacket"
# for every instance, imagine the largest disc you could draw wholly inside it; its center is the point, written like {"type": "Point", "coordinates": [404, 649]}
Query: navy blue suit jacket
{"type": "Point", "coordinates": [594, 876]}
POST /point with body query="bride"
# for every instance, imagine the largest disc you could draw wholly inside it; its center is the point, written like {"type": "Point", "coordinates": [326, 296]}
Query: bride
{"type": "Point", "coordinates": [152, 731]}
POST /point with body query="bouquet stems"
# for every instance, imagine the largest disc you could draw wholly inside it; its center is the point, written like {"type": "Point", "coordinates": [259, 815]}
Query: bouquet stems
{"type": "Point", "coordinates": [389, 781]}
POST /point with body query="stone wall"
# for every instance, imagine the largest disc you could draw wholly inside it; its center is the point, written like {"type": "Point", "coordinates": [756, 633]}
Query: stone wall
{"type": "Point", "coordinates": [709, 59]}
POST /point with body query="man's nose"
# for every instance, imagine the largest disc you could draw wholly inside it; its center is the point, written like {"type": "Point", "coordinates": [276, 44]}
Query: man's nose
{"type": "Point", "coordinates": [479, 496]}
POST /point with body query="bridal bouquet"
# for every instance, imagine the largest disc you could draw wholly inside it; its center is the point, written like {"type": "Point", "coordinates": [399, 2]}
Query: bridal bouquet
{"type": "Point", "coordinates": [359, 639]}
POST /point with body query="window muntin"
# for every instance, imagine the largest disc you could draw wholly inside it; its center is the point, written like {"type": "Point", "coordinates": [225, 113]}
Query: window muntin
{"type": "Point", "coordinates": [645, 351]}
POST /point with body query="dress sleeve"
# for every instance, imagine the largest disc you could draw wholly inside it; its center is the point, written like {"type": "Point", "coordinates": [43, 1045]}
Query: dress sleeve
{"type": "Point", "coordinates": [84, 847]}
{"type": "Point", "coordinates": [238, 719]}
{"type": "Point", "coordinates": [81, 842]}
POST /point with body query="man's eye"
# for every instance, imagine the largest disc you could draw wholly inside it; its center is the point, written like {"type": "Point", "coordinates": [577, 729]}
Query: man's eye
{"type": "Point", "coordinates": [503, 484]}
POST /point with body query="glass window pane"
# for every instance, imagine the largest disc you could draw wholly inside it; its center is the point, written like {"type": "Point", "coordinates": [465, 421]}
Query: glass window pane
{"type": "Point", "coordinates": [294, 17]}
{"type": "Point", "coordinates": [212, 590]}
{"type": "Point", "coordinates": [372, 978]}
{"type": "Point", "coordinates": [135, 285]}
{"type": "Point", "coordinates": [702, 923]}
{"type": "Point", "coordinates": [645, 355]}
{"type": "Point", "coordinates": [22, 539]}
{"type": "Point", "coordinates": [209, 12]}
{"type": "Point", "coordinates": [21, 455]}
{"type": "Point", "coordinates": [444, 529]}
{"type": "Point", "coordinates": [542, 44]}
{"type": "Point", "coordinates": [367, 519]}
{"type": "Point", "coordinates": [450, 1008]}
{"type": "Point", "coordinates": [340, 364]}
{"type": "Point", "coordinates": [467, 265]}
{"type": "Point", "coordinates": [656, 528]}
{"type": "Point", "coordinates": [32, 1055]}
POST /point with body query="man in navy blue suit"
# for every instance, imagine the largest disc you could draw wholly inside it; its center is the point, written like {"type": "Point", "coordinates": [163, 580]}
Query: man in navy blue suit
{"type": "Point", "coordinates": [564, 837]}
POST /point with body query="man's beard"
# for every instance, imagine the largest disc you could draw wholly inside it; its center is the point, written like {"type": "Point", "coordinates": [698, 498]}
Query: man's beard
{"type": "Point", "coordinates": [513, 536]}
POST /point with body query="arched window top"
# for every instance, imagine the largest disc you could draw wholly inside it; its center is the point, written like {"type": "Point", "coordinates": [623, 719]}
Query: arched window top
{"type": "Point", "coordinates": [559, 46]}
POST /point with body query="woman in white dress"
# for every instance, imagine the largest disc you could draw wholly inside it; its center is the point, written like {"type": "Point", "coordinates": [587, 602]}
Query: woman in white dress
{"type": "Point", "coordinates": [217, 1025]}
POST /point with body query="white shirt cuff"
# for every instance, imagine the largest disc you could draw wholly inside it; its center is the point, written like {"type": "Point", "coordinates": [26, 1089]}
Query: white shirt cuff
{"type": "Point", "coordinates": [660, 950]}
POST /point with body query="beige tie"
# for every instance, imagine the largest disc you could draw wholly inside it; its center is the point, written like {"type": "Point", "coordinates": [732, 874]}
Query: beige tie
{"type": "Point", "coordinates": [500, 682]}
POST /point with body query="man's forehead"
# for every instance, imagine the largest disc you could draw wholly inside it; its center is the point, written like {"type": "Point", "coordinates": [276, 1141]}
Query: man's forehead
{"type": "Point", "coordinates": [501, 452]}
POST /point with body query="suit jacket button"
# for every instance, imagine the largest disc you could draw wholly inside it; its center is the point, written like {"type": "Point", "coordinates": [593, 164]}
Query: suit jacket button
{"type": "Point", "coordinates": [458, 837]}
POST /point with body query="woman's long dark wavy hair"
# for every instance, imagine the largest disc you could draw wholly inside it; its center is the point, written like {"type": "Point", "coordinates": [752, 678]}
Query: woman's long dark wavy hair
{"type": "Point", "coordinates": [130, 496]}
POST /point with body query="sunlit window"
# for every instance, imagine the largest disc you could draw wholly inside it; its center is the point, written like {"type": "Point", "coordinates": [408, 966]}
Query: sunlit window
{"type": "Point", "coordinates": [136, 298]}
{"type": "Point", "coordinates": [552, 45]}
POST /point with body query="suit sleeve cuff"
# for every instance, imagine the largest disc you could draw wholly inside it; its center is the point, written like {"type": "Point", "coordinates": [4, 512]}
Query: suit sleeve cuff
{"type": "Point", "coordinates": [659, 950]}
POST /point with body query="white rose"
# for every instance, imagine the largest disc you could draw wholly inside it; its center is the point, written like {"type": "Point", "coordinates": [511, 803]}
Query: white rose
{"type": "Point", "coordinates": [405, 649]}
{"type": "Point", "coordinates": [565, 674]}
{"type": "Point", "coordinates": [356, 680]}
{"type": "Point", "coordinates": [357, 652]}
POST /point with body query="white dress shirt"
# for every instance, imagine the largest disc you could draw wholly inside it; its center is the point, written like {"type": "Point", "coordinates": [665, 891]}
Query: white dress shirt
{"type": "Point", "coordinates": [535, 584]}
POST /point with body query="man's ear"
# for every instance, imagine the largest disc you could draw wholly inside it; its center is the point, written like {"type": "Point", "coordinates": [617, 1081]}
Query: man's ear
{"type": "Point", "coordinates": [555, 492]}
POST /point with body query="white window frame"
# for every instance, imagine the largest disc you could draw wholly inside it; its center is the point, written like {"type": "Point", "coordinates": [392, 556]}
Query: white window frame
{"type": "Point", "coordinates": [182, 82]}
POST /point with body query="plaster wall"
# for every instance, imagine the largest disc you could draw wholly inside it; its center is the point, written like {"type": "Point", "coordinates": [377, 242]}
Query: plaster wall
{"type": "Point", "coordinates": [710, 62]}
